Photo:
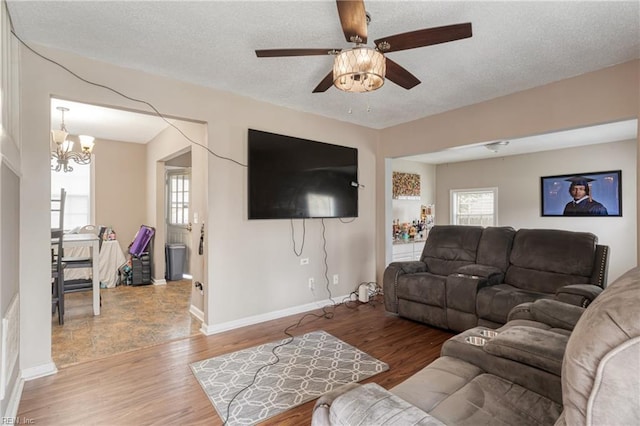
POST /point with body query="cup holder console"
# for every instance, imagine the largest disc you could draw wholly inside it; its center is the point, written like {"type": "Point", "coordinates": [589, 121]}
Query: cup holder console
{"type": "Point", "coordinates": [481, 337]}
{"type": "Point", "coordinates": [488, 333]}
{"type": "Point", "coordinates": [475, 340]}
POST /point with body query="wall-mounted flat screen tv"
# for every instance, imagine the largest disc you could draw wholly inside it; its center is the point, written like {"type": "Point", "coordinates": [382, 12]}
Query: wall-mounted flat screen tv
{"type": "Point", "coordinates": [290, 177]}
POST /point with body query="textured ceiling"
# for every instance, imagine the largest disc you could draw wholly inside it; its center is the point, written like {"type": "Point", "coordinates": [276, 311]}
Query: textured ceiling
{"type": "Point", "coordinates": [515, 46]}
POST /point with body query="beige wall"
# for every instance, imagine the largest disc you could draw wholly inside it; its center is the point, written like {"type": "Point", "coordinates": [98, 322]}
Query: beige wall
{"type": "Point", "coordinates": [253, 261]}
{"type": "Point", "coordinates": [517, 178]}
{"type": "Point", "coordinates": [252, 270]}
{"type": "Point", "coordinates": [120, 187]}
{"type": "Point", "coordinates": [607, 95]}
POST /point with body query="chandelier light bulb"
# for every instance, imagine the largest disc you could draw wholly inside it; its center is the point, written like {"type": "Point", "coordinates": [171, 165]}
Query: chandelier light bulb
{"type": "Point", "coordinates": [86, 142]}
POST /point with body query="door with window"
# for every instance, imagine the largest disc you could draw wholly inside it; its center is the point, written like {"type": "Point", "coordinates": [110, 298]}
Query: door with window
{"type": "Point", "coordinates": [178, 209]}
{"type": "Point", "coordinates": [474, 206]}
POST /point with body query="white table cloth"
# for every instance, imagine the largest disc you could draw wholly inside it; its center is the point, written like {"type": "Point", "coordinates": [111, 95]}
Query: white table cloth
{"type": "Point", "coordinates": [111, 259]}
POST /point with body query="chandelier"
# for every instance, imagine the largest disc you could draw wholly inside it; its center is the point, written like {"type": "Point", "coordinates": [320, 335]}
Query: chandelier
{"type": "Point", "coordinates": [62, 148]}
{"type": "Point", "coordinates": [360, 69]}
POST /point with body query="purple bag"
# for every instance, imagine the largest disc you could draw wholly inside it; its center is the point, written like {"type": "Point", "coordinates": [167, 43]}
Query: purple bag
{"type": "Point", "coordinates": [141, 240]}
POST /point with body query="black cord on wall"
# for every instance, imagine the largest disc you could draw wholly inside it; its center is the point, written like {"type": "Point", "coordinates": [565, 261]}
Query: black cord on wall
{"type": "Point", "coordinates": [293, 239]}
{"type": "Point", "coordinates": [142, 101]}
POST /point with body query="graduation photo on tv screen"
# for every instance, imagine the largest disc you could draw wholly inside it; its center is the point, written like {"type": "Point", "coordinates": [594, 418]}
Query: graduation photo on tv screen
{"type": "Point", "coordinates": [582, 194]}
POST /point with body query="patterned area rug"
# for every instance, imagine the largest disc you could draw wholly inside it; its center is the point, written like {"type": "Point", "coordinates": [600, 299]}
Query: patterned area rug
{"type": "Point", "coordinates": [309, 366]}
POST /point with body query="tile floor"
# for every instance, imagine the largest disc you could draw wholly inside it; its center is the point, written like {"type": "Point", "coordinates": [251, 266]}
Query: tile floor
{"type": "Point", "coordinates": [131, 318]}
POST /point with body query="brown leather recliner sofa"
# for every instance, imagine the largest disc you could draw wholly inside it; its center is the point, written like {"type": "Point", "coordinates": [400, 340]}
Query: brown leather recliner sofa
{"type": "Point", "coordinates": [469, 275]}
{"type": "Point", "coordinates": [553, 364]}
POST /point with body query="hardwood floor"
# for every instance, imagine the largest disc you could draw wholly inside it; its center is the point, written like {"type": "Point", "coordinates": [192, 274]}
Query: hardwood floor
{"type": "Point", "coordinates": [154, 385]}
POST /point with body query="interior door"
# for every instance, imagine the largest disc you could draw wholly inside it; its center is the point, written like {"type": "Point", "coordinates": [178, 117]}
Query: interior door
{"type": "Point", "coordinates": [178, 208]}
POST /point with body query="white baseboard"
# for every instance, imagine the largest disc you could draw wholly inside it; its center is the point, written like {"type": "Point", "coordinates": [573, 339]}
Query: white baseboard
{"type": "Point", "coordinates": [11, 411]}
{"type": "Point", "coordinates": [39, 371]}
{"type": "Point", "coordinates": [256, 319]}
{"type": "Point", "coordinates": [16, 392]}
{"type": "Point", "coordinates": [159, 282]}
{"type": "Point", "coordinates": [196, 313]}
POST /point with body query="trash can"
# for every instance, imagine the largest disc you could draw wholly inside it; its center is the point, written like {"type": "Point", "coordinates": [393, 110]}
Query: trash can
{"type": "Point", "coordinates": [175, 255]}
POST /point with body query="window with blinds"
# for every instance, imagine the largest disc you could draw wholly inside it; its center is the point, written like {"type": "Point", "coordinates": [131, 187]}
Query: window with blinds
{"type": "Point", "coordinates": [474, 207]}
{"type": "Point", "coordinates": [178, 198]}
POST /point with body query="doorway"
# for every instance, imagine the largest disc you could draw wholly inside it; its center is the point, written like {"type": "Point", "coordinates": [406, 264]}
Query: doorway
{"type": "Point", "coordinates": [124, 195]}
{"type": "Point", "coordinates": [178, 220]}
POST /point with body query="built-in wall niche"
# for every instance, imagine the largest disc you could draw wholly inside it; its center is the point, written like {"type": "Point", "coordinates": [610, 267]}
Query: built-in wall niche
{"type": "Point", "coordinates": [406, 186]}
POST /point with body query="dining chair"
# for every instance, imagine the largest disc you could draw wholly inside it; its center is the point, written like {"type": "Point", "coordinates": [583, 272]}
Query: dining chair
{"type": "Point", "coordinates": [73, 262]}
{"type": "Point", "coordinates": [57, 275]}
{"type": "Point", "coordinates": [57, 208]}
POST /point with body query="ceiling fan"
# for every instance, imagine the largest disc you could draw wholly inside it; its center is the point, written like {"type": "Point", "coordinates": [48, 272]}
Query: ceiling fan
{"type": "Point", "coordinates": [362, 68]}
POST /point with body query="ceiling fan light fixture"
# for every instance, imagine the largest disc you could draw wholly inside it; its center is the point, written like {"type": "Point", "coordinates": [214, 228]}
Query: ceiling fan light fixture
{"type": "Point", "coordinates": [361, 69]}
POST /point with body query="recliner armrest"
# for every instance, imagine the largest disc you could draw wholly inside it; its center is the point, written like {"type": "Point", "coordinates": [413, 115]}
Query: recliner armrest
{"type": "Point", "coordinates": [369, 404]}
{"type": "Point", "coordinates": [321, 410]}
{"type": "Point", "coordinates": [578, 294]}
{"type": "Point", "coordinates": [554, 313]}
{"type": "Point", "coordinates": [410, 267]}
{"type": "Point", "coordinates": [492, 274]}
{"type": "Point", "coordinates": [531, 346]}
{"type": "Point", "coordinates": [390, 280]}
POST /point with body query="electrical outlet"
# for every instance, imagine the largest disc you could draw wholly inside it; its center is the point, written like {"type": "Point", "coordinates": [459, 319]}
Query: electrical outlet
{"type": "Point", "coordinates": [304, 261]}
{"type": "Point", "coordinates": [312, 283]}
{"type": "Point", "coordinates": [335, 279]}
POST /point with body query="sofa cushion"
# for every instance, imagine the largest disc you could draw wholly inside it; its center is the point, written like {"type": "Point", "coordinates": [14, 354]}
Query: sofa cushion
{"type": "Point", "coordinates": [495, 245]}
{"type": "Point", "coordinates": [545, 259]}
{"type": "Point", "coordinates": [491, 400]}
{"type": "Point", "coordinates": [372, 404]}
{"type": "Point", "coordinates": [493, 303]}
{"type": "Point", "coordinates": [449, 247]}
{"type": "Point", "coordinates": [436, 382]}
{"type": "Point", "coordinates": [553, 250]}
{"type": "Point", "coordinates": [540, 281]}
{"type": "Point", "coordinates": [601, 367]}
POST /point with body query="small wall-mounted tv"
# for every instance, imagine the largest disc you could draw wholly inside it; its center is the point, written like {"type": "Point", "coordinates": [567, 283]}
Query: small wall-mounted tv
{"type": "Point", "coordinates": [291, 178]}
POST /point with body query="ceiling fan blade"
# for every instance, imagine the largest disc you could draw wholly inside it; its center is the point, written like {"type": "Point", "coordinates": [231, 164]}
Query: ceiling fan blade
{"type": "Point", "coordinates": [426, 37]}
{"type": "Point", "coordinates": [325, 84]}
{"type": "Point", "coordinates": [353, 19]}
{"type": "Point", "coordinates": [400, 75]}
{"type": "Point", "coordinates": [273, 53]}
